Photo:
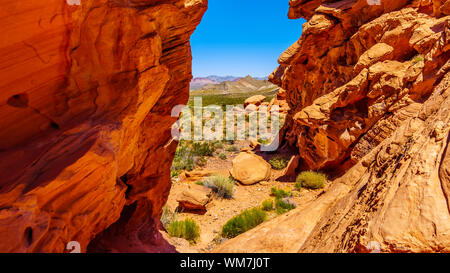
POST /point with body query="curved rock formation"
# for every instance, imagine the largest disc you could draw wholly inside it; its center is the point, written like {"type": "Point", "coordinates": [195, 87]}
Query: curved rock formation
{"type": "Point", "coordinates": [86, 93]}
{"type": "Point", "coordinates": [369, 92]}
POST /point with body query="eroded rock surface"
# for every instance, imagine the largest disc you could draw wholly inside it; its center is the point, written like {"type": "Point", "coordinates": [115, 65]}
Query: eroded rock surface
{"type": "Point", "coordinates": [369, 92]}
{"type": "Point", "coordinates": [249, 168]}
{"type": "Point", "coordinates": [85, 101]}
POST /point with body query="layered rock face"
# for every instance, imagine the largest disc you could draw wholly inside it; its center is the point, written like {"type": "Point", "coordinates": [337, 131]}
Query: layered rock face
{"type": "Point", "coordinates": [368, 85]}
{"type": "Point", "coordinates": [86, 96]}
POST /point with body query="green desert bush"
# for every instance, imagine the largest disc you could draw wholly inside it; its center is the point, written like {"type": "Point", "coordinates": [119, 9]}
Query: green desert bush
{"type": "Point", "coordinates": [190, 154]}
{"type": "Point", "coordinates": [310, 180]}
{"type": "Point", "coordinates": [187, 229]}
{"type": "Point", "coordinates": [184, 158]}
{"type": "Point", "coordinates": [203, 148]}
{"type": "Point", "coordinates": [280, 193]}
{"type": "Point", "coordinates": [223, 156]}
{"type": "Point", "coordinates": [232, 148]}
{"type": "Point", "coordinates": [243, 222]}
{"type": "Point", "coordinates": [221, 185]}
{"type": "Point", "coordinates": [218, 144]}
{"type": "Point", "coordinates": [281, 206]}
{"type": "Point", "coordinates": [279, 162]}
{"type": "Point", "coordinates": [267, 205]}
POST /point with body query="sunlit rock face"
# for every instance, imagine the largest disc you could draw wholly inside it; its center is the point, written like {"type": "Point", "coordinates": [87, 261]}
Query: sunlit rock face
{"type": "Point", "coordinates": [357, 65]}
{"type": "Point", "coordinates": [87, 89]}
{"type": "Point", "coordinates": [368, 85]}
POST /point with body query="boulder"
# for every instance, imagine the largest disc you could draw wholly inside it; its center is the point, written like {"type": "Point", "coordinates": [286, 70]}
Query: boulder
{"type": "Point", "coordinates": [249, 168]}
{"type": "Point", "coordinates": [195, 197]}
{"type": "Point", "coordinates": [256, 100]}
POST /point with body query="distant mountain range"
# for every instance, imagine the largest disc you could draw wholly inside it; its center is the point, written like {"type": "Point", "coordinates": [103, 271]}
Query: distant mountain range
{"type": "Point", "coordinates": [231, 85]}
{"type": "Point", "coordinates": [198, 83]}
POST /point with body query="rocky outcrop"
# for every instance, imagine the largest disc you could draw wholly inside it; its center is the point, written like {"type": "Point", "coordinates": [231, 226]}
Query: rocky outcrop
{"type": "Point", "coordinates": [355, 66]}
{"type": "Point", "coordinates": [85, 101]}
{"type": "Point", "coordinates": [369, 91]}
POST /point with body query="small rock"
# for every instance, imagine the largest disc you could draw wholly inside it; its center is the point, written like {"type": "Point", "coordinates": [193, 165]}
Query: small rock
{"type": "Point", "coordinates": [195, 197]}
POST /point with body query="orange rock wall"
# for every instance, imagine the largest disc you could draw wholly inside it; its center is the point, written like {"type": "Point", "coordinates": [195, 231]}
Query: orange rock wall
{"type": "Point", "coordinates": [85, 101]}
{"type": "Point", "coordinates": [369, 92]}
{"type": "Point", "coordinates": [354, 67]}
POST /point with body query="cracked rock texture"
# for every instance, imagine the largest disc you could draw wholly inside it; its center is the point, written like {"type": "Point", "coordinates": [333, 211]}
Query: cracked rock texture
{"type": "Point", "coordinates": [86, 96]}
{"type": "Point", "coordinates": [369, 92]}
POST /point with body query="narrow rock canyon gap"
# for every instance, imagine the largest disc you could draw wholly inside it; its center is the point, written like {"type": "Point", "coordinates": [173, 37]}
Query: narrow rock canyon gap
{"type": "Point", "coordinates": [85, 145]}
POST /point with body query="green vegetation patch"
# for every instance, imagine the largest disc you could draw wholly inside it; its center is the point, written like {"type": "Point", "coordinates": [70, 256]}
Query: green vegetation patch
{"type": "Point", "coordinates": [267, 205]}
{"type": "Point", "coordinates": [243, 222]}
{"type": "Point", "coordinates": [223, 156]}
{"type": "Point", "coordinates": [311, 180]}
{"type": "Point", "coordinates": [232, 148]}
{"type": "Point", "coordinates": [168, 217]}
{"type": "Point", "coordinates": [282, 206]}
{"type": "Point", "coordinates": [187, 229]}
{"type": "Point", "coordinates": [221, 185]}
{"type": "Point", "coordinates": [279, 162]}
{"type": "Point", "coordinates": [190, 154]}
{"type": "Point", "coordinates": [280, 193]}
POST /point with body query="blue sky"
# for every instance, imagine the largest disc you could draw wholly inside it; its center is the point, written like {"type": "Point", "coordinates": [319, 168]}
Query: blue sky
{"type": "Point", "coordinates": [242, 37]}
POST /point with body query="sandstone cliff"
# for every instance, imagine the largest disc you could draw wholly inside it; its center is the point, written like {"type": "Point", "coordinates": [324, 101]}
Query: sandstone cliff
{"type": "Point", "coordinates": [369, 92]}
{"type": "Point", "coordinates": [85, 101]}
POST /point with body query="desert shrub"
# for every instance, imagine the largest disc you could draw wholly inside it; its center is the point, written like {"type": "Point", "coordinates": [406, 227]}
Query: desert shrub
{"type": "Point", "coordinates": [203, 148]}
{"type": "Point", "coordinates": [223, 156]}
{"type": "Point", "coordinates": [190, 154]}
{"type": "Point", "coordinates": [167, 217]}
{"type": "Point", "coordinates": [419, 58]}
{"type": "Point", "coordinates": [267, 205]}
{"type": "Point", "coordinates": [310, 180]}
{"type": "Point", "coordinates": [184, 158]}
{"type": "Point", "coordinates": [218, 144]}
{"type": "Point", "coordinates": [174, 173]}
{"type": "Point", "coordinates": [232, 148]}
{"type": "Point", "coordinates": [187, 229]}
{"type": "Point", "coordinates": [243, 222]}
{"type": "Point", "coordinates": [279, 193]}
{"type": "Point", "coordinates": [281, 206]}
{"type": "Point", "coordinates": [279, 162]}
{"type": "Point", "coordinates": [221, 185]}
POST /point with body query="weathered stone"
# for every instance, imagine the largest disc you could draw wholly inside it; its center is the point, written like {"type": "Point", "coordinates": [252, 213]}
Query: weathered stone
{"type": "Point", "coordinates": [195, 197]}
{"type": "Point", "coordinates": [249, 168]}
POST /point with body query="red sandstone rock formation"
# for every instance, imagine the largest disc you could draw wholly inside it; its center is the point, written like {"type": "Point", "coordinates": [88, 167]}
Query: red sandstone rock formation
{"type": "Point", "coordinates": [85, 101]}
{"type": "Point", "coordinates": [369, 91]}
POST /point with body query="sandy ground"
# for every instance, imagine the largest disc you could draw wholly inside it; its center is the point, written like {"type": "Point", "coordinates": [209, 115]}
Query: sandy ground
{"type": "Point", "coordinates": [219, 210]}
